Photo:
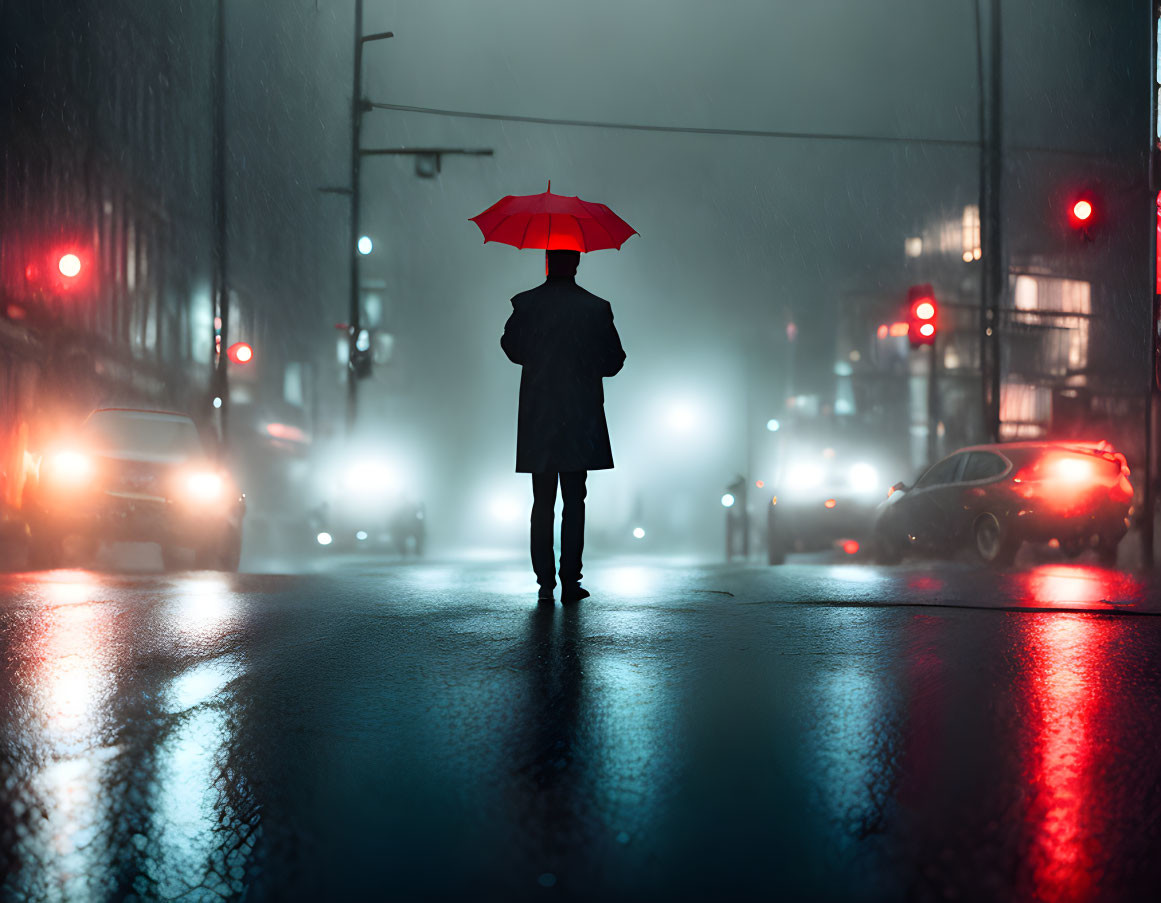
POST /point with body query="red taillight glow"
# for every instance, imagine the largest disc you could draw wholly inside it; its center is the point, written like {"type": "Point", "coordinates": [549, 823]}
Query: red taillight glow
{"type": "Point", "coordinates": [829, 503]}
{"type": "Point", "coordinates": [1074, 470]}
{"type": "Point", "coordinates": [851, 547]}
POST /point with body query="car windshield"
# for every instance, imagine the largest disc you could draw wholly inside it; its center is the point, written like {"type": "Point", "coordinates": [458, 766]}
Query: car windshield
{"type": "Point", "coordinates": [143, 434]}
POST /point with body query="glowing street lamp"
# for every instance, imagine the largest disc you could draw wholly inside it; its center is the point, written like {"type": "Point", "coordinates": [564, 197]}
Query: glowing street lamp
{"type": "Point", "coordinates": [366, 246]}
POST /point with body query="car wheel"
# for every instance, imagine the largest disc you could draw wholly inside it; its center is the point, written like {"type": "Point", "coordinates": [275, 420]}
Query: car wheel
{"type": "Point", "coordinates": [776, 549]}
{"type": "Point", "coordinates": [1107, 552]}
{"type": "Point", "coordinates": [887, 551]}
{"type": "Point", "coordinates": [230, 556]}
{"type": "Point", "coordinates": [172, 558]}
{"type": "Point", "coordinates": [44, 552]}
{"type": "Point", "coordinates": [995, 543]}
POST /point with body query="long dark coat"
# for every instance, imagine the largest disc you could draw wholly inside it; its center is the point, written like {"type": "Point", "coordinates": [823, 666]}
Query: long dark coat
{"type": "Point", "coordinates": [565, 340]}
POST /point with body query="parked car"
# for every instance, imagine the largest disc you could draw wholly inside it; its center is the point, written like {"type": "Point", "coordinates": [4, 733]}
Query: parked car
{"type": "Point", "coordinates": [993, 498]}
{"type": "Point", "coordinates": [135, 475]}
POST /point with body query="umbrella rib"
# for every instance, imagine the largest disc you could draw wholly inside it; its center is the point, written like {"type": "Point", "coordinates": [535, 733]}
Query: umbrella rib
{"type": "Point", "coordinates": [525, 235]}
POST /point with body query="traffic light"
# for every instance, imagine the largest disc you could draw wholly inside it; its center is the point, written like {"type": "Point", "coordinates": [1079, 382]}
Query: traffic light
{"type": "Point", "coordinates": [922, 315]}
{"type": "Point", "coordinates": [1083, 214]}
{"type": "Point", "coordinates": [240, 353]}
{"type": "Point", "coordinates": [360, 360]}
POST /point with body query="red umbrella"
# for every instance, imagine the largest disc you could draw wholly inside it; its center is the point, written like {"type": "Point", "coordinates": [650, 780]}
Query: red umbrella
{"type": "Point", "coordinates": [554, 222]}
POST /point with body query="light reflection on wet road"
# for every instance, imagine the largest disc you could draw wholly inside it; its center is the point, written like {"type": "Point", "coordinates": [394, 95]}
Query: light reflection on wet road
{"type": "Point", "coordinates": [425, 730]}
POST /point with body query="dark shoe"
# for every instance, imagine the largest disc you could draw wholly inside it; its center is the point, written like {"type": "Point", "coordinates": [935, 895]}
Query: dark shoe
{"type": "Point", "coordinates": [545, 595]}
{"type": "Point", "coordinates": [573, 593]}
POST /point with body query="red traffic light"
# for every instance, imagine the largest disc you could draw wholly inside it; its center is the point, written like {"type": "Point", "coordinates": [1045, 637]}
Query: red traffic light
{"type": "Point", "coordinates": [69, 265]}
{"type": "Point", "coordinates": [240, 353]}
{"type": "Point", "coordinates": [921, 322]}
{"type": "Point", "coordinates": [1082, 213]}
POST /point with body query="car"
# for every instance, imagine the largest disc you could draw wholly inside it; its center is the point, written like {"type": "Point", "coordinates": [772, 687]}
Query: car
{"type": "Point", "coordinates": [367, 502]}
{"type": "Point", "coordinates": [991, 499]}
{"type": "Point", "coordinates": [822, 500]}
{"type": "Point", "coordinates": [136, 476]}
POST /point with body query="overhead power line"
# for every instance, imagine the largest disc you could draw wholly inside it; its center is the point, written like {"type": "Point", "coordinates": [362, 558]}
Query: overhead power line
{"type": "Point", "coordinates": [678, 129]}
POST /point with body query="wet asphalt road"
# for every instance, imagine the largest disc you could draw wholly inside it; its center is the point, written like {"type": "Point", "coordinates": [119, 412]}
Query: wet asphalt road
{"type": "Point", "coordinates": [425, 731]}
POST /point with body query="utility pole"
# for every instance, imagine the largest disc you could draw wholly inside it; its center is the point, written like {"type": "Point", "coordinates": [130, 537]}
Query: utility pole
{"type": "Point", "coordinates": [992, 278]}
{"type": "Point", "coordinates": [219, 381]}
{"type": "Point", "coordinates": [1152, 223]}
{"type": "Point", "coordinates": [354, 316]}
{"type": "Point", "coordinates": [359, 106]}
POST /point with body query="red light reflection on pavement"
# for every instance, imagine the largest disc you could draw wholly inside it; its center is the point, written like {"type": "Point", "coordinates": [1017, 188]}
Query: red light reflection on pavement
{"type": "Point", "coordinates": [925, 584]}
{"type": "Point", "coordinates": [1075, 586]}
{"type": "Point", "coordinates": [1064, 706]}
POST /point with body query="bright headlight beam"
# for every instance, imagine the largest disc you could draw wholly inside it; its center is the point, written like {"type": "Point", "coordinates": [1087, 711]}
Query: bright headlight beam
{"type": "Point", "coordinates": [863, 477]}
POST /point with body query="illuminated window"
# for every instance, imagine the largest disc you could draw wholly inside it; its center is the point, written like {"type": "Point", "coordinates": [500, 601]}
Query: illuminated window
{"type": "Point", "coordinates": [970, 235]}
{"type": "Point", "coordinates": [913, 246]}
{"type": "Point", "coordinates": [1039, 302]}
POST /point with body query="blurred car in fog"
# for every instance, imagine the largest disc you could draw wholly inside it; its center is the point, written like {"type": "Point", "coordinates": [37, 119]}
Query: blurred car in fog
{"type": "Point", "coordinates": [992, 498]}
{"type": "Point", "coordinates": [823, 500]}
{"type": "Point", "coordinates": [134, 476]}
{"type": "Point", "coordinates": [366, 502]}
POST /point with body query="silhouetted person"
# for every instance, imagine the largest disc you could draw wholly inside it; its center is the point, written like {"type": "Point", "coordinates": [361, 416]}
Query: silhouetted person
{"type": "Point", "coordinates": [565, 340]}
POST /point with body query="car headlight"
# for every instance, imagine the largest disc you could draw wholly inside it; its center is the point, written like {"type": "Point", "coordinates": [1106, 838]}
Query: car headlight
{"type": "Point", "coordinates": [202, 486]}
{"type": "Point", "coordinates": [70, 468]}
{"type": "Point", "coordinates": [863, 478]}
{"type": "Point", "coordinates": [804, 475]}
{"type": "Point", "coordinates": [370, 476]}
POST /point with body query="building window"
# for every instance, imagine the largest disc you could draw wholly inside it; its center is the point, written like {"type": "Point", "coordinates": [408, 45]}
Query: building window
{"type": "Point", "coordinates": [913, 246]}
{"type": "Point", "coordinates": [970, 235]}
{"type": "Point", "coordinates": [1043, 303]}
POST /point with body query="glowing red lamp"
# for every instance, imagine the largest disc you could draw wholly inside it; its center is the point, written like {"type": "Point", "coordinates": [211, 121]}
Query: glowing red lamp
{"type": "Point", "coordinates": [240, 353]}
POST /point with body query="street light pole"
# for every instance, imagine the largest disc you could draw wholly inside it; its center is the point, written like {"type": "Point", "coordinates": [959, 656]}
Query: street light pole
{"type": "Point", "coordinates": [219, 380]}
{"type": "Point", "coordinates": [353, 315]}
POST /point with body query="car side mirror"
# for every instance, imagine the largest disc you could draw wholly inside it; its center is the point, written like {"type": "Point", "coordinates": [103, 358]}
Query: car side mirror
{"type": "Point", "coordinates": [900, 487]}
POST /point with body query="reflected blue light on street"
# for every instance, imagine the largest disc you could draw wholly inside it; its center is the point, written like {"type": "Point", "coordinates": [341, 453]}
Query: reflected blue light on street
{"type": "Point", "coordinates": [855, 574]}
{"type": "Point", "coordinates": [850, 741]}
{"type": "Point", "coordinates": [188, 856]}
{"type": "Point", "coordinates": [629, 580]}
{"type": "Point", "coordinates": [203, 607]}
{"type": "Point", "coordinates": [202, 683]}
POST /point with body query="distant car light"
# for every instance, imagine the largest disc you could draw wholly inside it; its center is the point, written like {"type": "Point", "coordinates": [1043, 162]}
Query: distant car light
{"type": "Point", "coordinates": [851, 547]}
{"type": "Point", "coordinates": [829, 503]}
{"type": "Point", "coordinates": [638, 533]}
{"type": "Point", "coordinates": [863, 477]}
{"type": "Point", "coordinates": [728, 500]}
{"type": "Point", "coordinates": [324, 539]}
{"type": "Point", "coordinates": [71, 468]}
{"type": "Point", "coordinates": [361, 535]}
{"type": "Point", "coordinates": [370, 476]}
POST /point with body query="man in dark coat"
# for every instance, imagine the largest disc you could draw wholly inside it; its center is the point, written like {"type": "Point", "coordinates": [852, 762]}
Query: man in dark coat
{"type": "Point", "coordinates": [565, 340]}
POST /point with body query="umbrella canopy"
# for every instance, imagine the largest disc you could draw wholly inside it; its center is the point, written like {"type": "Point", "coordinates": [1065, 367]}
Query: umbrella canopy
{"type": "Point", "coordinates": [553, 222]}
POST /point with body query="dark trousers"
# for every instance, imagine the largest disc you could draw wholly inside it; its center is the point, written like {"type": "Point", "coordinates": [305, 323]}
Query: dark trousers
{"type": "Point", "coordinates": [572, 526]}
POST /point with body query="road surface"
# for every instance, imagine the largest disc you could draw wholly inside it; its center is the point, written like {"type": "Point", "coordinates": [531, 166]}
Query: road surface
{"type": "Point", "coordinates": [424, 730]}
